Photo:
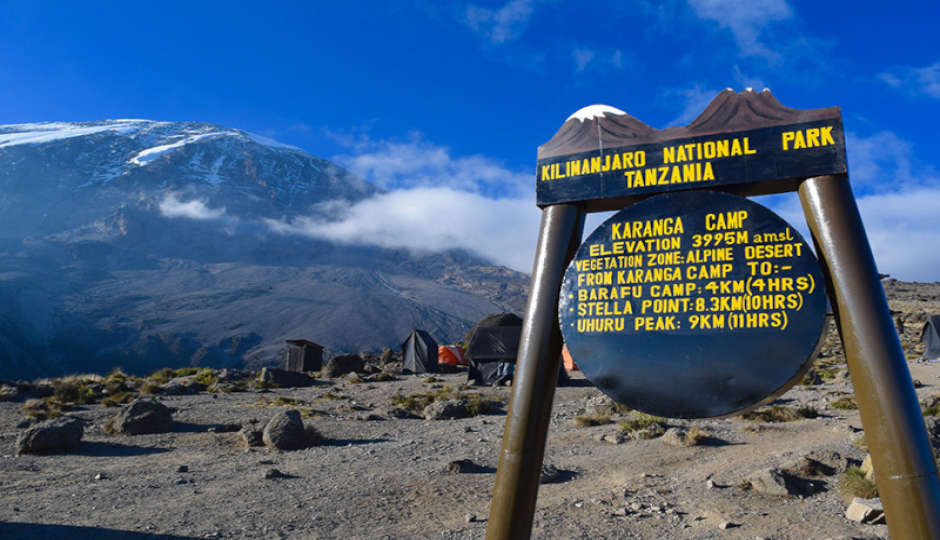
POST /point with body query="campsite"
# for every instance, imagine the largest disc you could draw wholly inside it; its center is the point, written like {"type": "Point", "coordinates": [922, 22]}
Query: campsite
{"type": "Point", "coordinates": [377, 472]}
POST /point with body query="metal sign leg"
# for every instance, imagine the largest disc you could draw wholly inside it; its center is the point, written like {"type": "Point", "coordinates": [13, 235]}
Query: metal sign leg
{"type": "Point", "coordinates": [894, 427]}
{"type": "Point", "coordinates": [520, 460]}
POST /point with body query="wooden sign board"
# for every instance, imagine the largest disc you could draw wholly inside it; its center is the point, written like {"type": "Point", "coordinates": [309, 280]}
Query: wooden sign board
{"type": "Point", "coordinates": [745, 143]}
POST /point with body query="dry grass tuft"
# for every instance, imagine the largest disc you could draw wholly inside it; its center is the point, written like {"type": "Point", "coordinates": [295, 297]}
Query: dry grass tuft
{"type": "Point", "coordinates": [854, 484]}
{"type": "Point", "coordinates": [591, 420]}
{"type": "Point", "coordinates": [781, 413]}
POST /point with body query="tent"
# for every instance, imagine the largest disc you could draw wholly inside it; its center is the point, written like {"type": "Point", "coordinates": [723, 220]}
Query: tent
{"type": "Point", "coordinates": [419, 353]}
{"type": "Point", "coordinates": [451, 354]}
{"type": "Point", "coordinates": [568, 362]}
{"type": "Point", "coordinates": [930, 335]}
{"type": "Point", "coordinates": [492, 354]}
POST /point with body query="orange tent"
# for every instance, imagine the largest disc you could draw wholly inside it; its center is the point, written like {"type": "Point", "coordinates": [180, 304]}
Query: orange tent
{"type": "Point", "coordinates": [451, 355]}
{"type": "Point", "coordinates": [569, 362]}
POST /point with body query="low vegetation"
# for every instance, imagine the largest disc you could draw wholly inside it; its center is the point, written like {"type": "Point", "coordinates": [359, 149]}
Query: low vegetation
{"type": "Point", "coordinates": [781, 413]}
{"type": "Point", "coordinates": [854, 484]}
{"type": "Point", "coordinates": [591, 420]}
{"type": "Point", "coordinates": [846, 403]}
{"type": "Point", "coordinates": [476, 403]}
{"type": "Point", "coordinates": [643, 426]}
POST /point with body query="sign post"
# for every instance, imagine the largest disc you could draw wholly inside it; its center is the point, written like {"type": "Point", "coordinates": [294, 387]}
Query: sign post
{"type": "Point", "coordinates": [725, 279]}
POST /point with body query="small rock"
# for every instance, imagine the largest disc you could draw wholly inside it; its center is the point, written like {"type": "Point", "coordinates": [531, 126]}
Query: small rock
{"type": "Point", "coordinates": [251, 436]}
{"type": "Point", "coordinates": [273, 473]}
{"type": "Point", "coordinates": [223, 428]}
{"type": "Point", "coordinates": [865, 511]}
{"type": "Point", "coordinates": [710, 484]}
{"type": "Point", "coordinates": [614, 437]}
{"type": "Point", "coordinates": [725, 525]}
{"type": "Point", "coordinates": [470, 518]}
{"type": "Point", "coordinates": [677, 437]}
{"type": "Point", "coordinates": [460, 466]}
{"type": "Point", "coordinates": [53, 435]}
{"type": "Point", "coordinates": [550, 473]}
{"type": "Point", "coordinates": [182, 469]}
{"type": "Point", "coordinates": [399, 413]}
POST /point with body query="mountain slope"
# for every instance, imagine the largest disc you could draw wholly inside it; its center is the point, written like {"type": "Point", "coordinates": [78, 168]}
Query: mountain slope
{"type": "Point", "coordinates": [144, 244]}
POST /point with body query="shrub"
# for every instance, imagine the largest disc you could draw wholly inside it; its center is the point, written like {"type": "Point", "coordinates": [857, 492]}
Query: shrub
{"type": "Point", "coordinates": [694, 436]}
{"type": "Point", "coordinates": [187, 371]}
{"type": "Point", "coordinates": [207, 377]}
{"type": "Point", "coordinates": [118, 399]}
{"type": "Point", "coordinates": [781, 413]}
{"type": "Point", "coordinates": [854, 484]}
{"type": "Point", "coordinates": [846, 403]}
{"type": "Point", "coordinates": [73, 391]}
{"type": "Point", "coordinates": [42, 409]}
{"type": "Point", "coordinates": [476, 403]}
{"type": "Point", "coordinates": [162, 376]}
{"type": "Point", "coordinates": [639, 420]}
{"type": "Point", "coordinates": [934, 408]}
{"type": "Point", "coordinates": [591, 420]}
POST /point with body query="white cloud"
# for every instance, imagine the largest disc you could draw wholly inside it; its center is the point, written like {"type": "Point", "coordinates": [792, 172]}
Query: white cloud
{"type": "Point", "coordinates": [501, 25]}
{"type": "Point", "coordinates": [415, 163]}
{"type": "Point", "coordinates": [884, 162]}
{"type": "Point", "coordinates": [172, 207]}
{"type": "Point", "coordinates": [432, 219]}
{"type": "Point", "coordinates": [585, 58]}
{"type": "Point", "coordinates": [897, 198]}
{"type": "Point", "coordinates": [915, 81]}
{"type": "Point", "coordinates": [746, 19]}
{"type": "Point", "coordinates": [435, 201]}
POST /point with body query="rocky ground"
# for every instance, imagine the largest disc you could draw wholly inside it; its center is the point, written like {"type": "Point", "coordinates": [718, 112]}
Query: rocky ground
{"type": "Point", "coordinates": [376, 475]}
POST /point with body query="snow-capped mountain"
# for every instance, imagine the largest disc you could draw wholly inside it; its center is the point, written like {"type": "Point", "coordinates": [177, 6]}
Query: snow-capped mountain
{"type": "Point", "coordinates": [143, 244]}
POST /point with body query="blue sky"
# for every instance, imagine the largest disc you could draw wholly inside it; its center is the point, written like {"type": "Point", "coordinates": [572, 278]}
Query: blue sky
{"type": "Point", "coordinates": [444, 104]}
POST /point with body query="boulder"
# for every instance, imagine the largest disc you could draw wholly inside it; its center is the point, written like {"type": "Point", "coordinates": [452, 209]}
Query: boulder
{"type": "Point", "coordinates": [139, 417]}
{"type": "Point", "coordinates": [281, 378]}
{"type": "Point", "coordinates": [343, 364]}
{"type": "Point", "coordinates": [773, 482]}
{"type": "Point", "coordinates": [446, 410]}
{"type": "Point", "coordinates": [865, 511]}
{"type": "Point", "coordinates": [53, 435]}
{"type": "Point", "coordinates": [285, 431]}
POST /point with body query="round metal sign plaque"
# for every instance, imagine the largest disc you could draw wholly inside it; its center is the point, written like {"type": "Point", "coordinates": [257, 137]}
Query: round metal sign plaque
{"type": "Point", "coordinates": [696, 304]}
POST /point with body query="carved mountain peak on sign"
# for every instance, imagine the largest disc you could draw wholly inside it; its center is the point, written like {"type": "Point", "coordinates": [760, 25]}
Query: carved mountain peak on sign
{"type": "Point", "coordinates": [598, 127]}
{"type": "Point", "coordinates": [739, 111]}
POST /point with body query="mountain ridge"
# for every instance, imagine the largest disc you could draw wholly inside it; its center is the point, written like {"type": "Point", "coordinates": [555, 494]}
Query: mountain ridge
{"type": "Point", "coordinates": [170, 259]}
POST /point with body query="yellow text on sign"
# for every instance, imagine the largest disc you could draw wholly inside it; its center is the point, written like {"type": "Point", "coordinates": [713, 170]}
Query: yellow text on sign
{"type": "Point", "coordinates": [809, 138]}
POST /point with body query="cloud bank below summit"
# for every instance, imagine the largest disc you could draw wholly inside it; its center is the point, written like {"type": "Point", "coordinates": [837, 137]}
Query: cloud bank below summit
{"type": "Point", "coordinates": [436, 201]}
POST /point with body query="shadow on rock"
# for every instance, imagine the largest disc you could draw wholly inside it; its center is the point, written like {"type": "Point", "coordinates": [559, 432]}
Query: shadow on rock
{"type": "Point", "coordinates": [38, 531]}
